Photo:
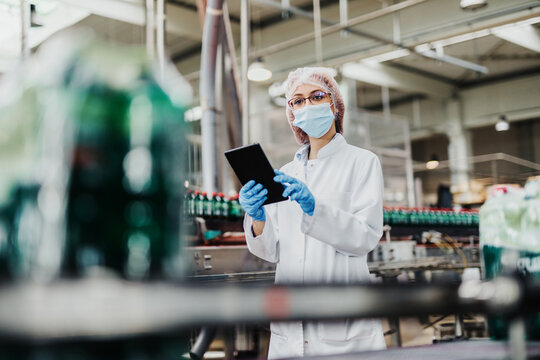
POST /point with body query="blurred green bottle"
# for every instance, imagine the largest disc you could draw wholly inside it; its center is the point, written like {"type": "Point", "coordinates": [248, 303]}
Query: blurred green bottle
{"type": "Point", "coordinates": [216, 206]}
{"type": "Point", "coordinates": [207, 205]}
{"type": "Point", "coordinates": [224, 206]}
{"type": "Point", "coordinates": [198, 204]}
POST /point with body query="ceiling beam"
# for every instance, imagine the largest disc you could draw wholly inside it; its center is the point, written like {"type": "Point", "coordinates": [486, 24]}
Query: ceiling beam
{"type": "Point", "coordinates": [180, 21]}
{"type": "Point", "coordinates": [525, 36]}
{"type": "Point", "coordinates": [384, 75]}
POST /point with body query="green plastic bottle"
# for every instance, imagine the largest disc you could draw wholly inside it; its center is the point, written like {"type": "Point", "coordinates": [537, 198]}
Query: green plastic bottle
{"type": "Point", "coordinates": [236, 209]}
{"type": "Point", "coordinates": [224, 206]}
{"type": "Point", "coordinates": [386, 216]}
{"type": "Point", "coordinates": [207, 205]}
{"type": "Point", "coordinates": [199, 203]}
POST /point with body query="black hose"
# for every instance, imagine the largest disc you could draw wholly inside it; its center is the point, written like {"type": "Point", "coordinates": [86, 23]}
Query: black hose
{"type": "Point", "coordinates": [202, 343]}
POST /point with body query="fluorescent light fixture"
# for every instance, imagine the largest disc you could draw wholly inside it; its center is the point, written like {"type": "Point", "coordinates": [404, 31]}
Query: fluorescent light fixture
{"type": "Point", "coordinates": [258, 71]}
{"type": "Point", "coordinates": [472, 4]}
{"type": "Point", "coordinates": [391, 55]}
{"type": "Point", "coordinates": [502, 124]}
{"type": "Point", "coordinates": [474, 35]}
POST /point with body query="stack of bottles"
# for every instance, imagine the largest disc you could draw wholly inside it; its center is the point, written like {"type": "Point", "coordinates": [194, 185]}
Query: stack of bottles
{"type": "Point", "coordinates": [429, 216]}
{"type": "Point", "coordinates": [216, 206]}
{"type": "Point", "coordinates": [510, 242]}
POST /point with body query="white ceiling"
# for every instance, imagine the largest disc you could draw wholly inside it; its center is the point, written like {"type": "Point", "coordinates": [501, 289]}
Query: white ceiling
{"type": "Point", "coordinates": [425, 23]}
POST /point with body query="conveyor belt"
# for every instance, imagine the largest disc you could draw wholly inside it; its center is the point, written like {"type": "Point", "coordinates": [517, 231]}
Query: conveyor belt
{"type": "Point", "coordinates": [378, 267]}
{"type": "Point", "coordinates": [459, 350]}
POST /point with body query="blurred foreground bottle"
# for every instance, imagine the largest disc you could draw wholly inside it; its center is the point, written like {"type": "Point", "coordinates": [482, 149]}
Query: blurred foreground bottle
{"type": "Point", "coordinates": [510, 244]}
{"type": "Point", "coordinates": [107, 167]}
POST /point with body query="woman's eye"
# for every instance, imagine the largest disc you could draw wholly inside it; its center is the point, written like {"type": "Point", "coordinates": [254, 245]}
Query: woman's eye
{"type": "Point", "coordinates": [298, 101]}
{"type": "Point", "coordinates": [318, 96]}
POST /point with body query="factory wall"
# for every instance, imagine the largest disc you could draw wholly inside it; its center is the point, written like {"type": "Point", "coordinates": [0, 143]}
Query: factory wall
{"type": "Point", "coordinates": [482, 105]}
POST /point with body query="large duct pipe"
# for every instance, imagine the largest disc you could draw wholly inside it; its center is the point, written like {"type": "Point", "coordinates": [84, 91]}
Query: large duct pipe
{"type": "Point", "coordinates": [207, 89]}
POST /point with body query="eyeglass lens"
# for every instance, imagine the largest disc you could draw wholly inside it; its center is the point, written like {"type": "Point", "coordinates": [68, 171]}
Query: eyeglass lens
{"type": "Point", "coordinates": [315, 98]}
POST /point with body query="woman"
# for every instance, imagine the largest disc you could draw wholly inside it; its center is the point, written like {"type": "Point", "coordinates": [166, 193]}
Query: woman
{"type": "Point", "coordinates": [333, 218]}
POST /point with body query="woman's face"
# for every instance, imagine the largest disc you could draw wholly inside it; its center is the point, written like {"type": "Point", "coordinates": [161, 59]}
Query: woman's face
{"type": "Point", "coordinates": [305, 90]}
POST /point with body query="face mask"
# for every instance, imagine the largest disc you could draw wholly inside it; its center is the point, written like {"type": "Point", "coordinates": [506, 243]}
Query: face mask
{"type": "Point", "coordinates": [315, 120]}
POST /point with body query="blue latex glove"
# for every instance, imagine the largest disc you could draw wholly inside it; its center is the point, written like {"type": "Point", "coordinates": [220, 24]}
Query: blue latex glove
{"type": "Point", "coordinates": [252, 197]}
{"type": "Point", "coordinates": [297, 190]}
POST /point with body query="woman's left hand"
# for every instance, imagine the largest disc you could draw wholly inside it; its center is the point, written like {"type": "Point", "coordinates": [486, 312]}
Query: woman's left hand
{"type": "Point", "coordinates": [297, 191]}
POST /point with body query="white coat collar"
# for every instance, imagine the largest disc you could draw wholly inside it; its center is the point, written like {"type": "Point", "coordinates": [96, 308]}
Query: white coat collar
{"type": "Point", "coordinates": [336, 144]}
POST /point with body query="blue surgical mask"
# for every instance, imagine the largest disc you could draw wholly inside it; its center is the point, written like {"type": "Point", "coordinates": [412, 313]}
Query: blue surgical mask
{"type": "Point", "coordinates": [315, 120]}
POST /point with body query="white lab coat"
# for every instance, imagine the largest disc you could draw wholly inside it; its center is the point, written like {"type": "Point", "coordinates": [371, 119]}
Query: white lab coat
{"type": "Point", "coordinates": [329, 247]}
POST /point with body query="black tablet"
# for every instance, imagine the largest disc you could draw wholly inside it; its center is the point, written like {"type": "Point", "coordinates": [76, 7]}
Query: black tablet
{"type": "Point", "coordinates": [250, 163]}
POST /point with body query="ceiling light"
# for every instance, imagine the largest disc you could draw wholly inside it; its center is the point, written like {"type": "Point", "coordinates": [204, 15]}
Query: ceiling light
{"type": "Point", "coordinates": [472, 4]}
{"type": "Point", "coordinates": [433, 163]}
{"type": "Point", "coordinates": [258, 71]}
{"type": "Point", "coordinates": [502, 124]}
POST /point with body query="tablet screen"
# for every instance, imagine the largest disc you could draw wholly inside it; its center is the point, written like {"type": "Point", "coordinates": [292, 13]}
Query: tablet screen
{"type": "Point", "coordinates": [250, 163]}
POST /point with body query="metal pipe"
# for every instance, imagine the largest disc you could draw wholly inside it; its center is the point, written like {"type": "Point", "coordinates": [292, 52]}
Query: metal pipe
{"type": "Point", "coordinates": [317, 31]}
{"type": "Point", "coordinates": [357, 54]}
{"type": "Point", "coordinates": [244, 36]}
{"type": "Point", "coordinates": [150, 29]}
{"type": "Point", "coordinates": [25, 26]}
{"type": "Point", "coordinates": [485, 158]}
{"type": "Point", "coordinates": [175, 306]}
{"type": "Point", "coordinates": [343, 16]}
{"type": "Point", "coordinates": [205, 338]}
{"type": "Point", "coordinates": [454, 61]}
{"type": "Point", "coordinates": [210, 41]}
{"type": "Point", "coordinates": [232, 85]}
{"type": "Point", "coordinates": [385, 95]}
{"type": "Point", "coordinates": [409, 173]}
{"type": "Point", "coordinates": [229, 37]}
{"type": "Point", "coordinates": [333, 26]}
{"type": "Point", "coordinates": [396, 28]}
{"type": "Point", "coordinates": [160, 35]}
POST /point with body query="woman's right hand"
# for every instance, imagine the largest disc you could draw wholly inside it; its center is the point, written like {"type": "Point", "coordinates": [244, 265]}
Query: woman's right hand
{"type": "Point", "coordinates": [252, 197]}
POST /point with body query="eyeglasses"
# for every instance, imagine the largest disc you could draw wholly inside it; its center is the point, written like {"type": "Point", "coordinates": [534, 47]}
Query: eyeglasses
{"type": "Point", "coordinates": [318, 97]}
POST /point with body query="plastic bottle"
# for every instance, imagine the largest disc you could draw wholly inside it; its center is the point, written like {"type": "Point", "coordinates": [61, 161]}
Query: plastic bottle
{"type": "Point", "coordinates": [206, 205]}
{"type": "Point", "coordinates": [414, 217]}
{"type": "Point", "coordinates": [224, 206]}
{"type": "Point", "coordinates": [236, 208]}
{"type": "Point", "coordinates": [187, 202]}
{"type": "Point", "coordinates": [192, 199]}
{"type": "Point", "coordinates": [386, 216]}
{"type": "Point", "coordinates": [199, 204]}
{"type": "Point", "coordinates": [216, 206]}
